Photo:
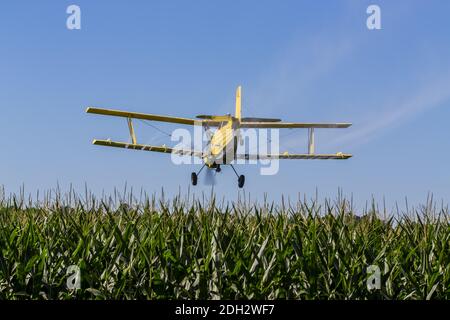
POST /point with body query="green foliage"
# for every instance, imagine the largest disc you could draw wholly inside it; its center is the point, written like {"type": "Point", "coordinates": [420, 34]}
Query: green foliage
{"type": "Point", "coordinates": [202, 250]}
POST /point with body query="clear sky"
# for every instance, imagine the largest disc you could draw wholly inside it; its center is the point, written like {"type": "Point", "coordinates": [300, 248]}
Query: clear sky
{"type": "Point", "coordinates": [312, 61]}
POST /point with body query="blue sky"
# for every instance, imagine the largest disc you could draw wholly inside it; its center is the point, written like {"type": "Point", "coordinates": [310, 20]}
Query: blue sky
{"type": "Point", "coordinates": [312, 61]}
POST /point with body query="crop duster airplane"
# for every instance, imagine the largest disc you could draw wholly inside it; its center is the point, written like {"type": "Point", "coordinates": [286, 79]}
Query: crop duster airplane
{"type": "Point", "coordinates": [224, 141]}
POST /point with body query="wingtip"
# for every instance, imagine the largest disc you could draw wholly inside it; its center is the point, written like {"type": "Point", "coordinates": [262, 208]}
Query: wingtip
{"type": "Point", "coordinates": [347, 155]}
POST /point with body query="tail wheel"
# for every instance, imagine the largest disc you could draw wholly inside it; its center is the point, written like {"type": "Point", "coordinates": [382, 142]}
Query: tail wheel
{"type": "Point", "coordinates": [194, 178]}
{"type": "Point", "coordinates": [241, 181]}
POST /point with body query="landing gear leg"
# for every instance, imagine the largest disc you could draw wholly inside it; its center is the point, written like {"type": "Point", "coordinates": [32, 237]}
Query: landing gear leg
{"type": "Point", "coordinates": [241, 178]}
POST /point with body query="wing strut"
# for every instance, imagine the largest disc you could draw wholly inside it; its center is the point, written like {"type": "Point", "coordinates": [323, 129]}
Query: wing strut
{"type": "Point", "coordinates": [131, 129]}
{"type": "Point", "coordinates": [311, 146]}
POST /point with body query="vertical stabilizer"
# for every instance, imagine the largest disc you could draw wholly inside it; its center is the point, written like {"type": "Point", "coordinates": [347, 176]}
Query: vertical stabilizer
{"type": "Point", "coordinates": [238, 103]}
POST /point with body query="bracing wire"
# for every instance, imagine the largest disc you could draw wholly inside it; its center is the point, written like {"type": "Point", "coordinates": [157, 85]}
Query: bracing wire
{"type": "Point", "coordinates": [161, 131]}
{"type": "Point", "coordinates": [155, 127]}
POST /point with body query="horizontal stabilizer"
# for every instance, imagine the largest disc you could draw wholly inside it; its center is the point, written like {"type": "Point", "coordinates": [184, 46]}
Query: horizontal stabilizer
{"type": "Point", "coordinates": [216, 118]}
{"type": "Point", "coordinates": [144, 147]}
{"type": "Point", "coordinates": [291, 125]}
{"type": "Point", "coordinates": [252, 119]}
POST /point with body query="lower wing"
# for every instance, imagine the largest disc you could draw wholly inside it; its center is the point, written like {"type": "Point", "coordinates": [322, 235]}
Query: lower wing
{"type": "Point", "coordinates": [337, 156]}
{"type": "Point", "coordinates": [187, 152]}
{"type": "Point", "coordinates": [145, 147]}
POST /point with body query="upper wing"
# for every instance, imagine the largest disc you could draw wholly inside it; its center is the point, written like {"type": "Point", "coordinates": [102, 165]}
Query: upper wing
{"type": "Point", "coordinates": [153, 117]}
{"type": "Point", "coordinates": [337, 156]}
{"type": "Point", "coordinates": [145, 147]}
{"type": "Point", "coordinates": [287, 125]}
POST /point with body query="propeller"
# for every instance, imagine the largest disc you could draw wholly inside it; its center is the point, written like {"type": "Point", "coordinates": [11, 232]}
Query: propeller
{"type": "Point", "coordinates": [210, 177]}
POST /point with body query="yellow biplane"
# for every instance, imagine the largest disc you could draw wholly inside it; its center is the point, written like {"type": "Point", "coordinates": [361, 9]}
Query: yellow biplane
{"type": "Point", "coordinates": [224, 141]}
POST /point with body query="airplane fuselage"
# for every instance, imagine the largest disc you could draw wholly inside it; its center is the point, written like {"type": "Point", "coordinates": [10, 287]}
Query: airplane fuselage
{"type": "Point", "coordinates": [223, 144]}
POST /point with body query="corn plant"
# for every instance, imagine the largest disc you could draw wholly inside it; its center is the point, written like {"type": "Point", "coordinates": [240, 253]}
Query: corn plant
{"type": "Point", "coordinates": [127, 248]}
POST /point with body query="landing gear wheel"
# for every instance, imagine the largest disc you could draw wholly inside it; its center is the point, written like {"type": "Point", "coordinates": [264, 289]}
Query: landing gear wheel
{"type": "Point", "coordinates": [241, 181]}
{"type": "Point", "coordinates": [218, 169]}
{"type": "Point", "coordinates": [194, 178]}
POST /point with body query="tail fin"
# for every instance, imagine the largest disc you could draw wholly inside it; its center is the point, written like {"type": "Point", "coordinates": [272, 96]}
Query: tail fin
{"type": "Point", "coordinates": [238, 103]}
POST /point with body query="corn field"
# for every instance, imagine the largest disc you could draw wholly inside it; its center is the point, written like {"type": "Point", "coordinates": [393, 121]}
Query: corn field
{"type": "Point", "coordinates": [201, 249]}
